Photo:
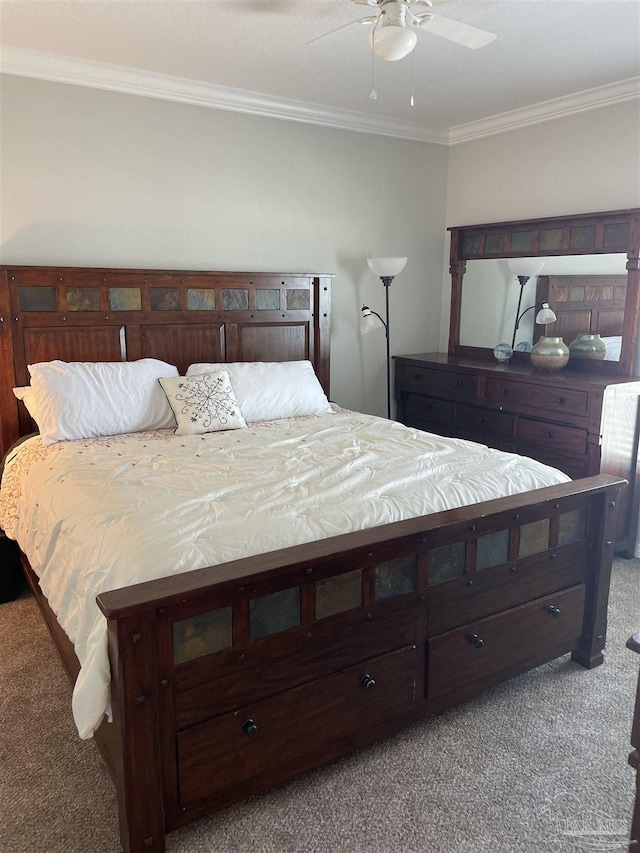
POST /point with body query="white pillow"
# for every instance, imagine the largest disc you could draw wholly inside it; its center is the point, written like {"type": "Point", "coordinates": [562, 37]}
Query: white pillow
{"type": "Point", "coordinates": [613, 345]}
{"type": "Point", "coordinates": [90, 399]}
{"type": "Point", "coordinates": [270, 390]}
{"type": "Point", "coordinates": [26, 394]}
{"type": "Point", "coordinates": [203, 403]}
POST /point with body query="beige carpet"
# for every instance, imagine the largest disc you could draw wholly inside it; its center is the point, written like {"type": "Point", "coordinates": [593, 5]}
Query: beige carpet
{"type": "Point", "coordinates": [538, 764]}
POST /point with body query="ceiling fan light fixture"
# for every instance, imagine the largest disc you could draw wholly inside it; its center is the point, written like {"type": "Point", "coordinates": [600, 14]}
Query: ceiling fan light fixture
{"type": "Point", "coordinates": [393, 41]}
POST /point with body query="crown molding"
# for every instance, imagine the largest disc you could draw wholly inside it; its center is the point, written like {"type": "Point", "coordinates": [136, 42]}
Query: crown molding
{"type": "Point", "coordinates": [134, 81]}
{"type": "Point", "coordinates": [590, 99]}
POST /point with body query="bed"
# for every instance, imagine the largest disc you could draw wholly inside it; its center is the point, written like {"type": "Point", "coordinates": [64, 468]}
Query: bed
{"type": "Point", "coordinates": [229, 679]}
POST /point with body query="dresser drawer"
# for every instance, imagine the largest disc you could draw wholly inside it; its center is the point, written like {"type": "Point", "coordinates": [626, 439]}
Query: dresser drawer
{"type": "Point", "coordinates": [548, 399]}
{"type": "Point", "coordinates": [430, 409]}
{"type": "Point", "coordinates": [572, 466]}
{"type": "Point", "coordinates": [484, 422]}
{"type": "Point", "coordinates": [436, 383]}
{"type": "Point", "coordinates": [506, 643]}
{"type": "Point", "coordinates": [553, 437]}
{"type": "Point", "coordinates": [317, 718]}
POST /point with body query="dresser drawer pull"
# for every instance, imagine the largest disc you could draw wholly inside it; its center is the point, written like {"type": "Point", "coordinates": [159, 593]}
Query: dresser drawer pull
{"type": "Point", "coordinates": [505, 391]}
{"type": "Point", "coordinates": [250, 728]}
{"type": "Point", "coordinates": [427, 406]}
{"type": "Point", "coordinates": [367, 682]}
{"type": "Point", "coordinates": [548, 435]}
{"type": "Point", "coordinates": [482, 419]}
{"type": "Point", "coordinates": [561, 400]}
{"type": "Point", "coordinates": [418, 375]}
{"type": "Point", "coordinates": [553, 611]}
{"type": "Point", "coordinates": [477, 641]}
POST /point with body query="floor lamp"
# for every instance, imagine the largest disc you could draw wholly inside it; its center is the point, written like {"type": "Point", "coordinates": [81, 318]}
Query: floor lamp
{"type": "Point", "coordinates": [523, 269]}
{"type": "Point", "coordinates": [387, 269]}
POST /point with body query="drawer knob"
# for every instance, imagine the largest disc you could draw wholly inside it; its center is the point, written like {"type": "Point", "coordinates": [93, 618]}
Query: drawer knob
{"type": "Point", "coordinates": [418, 376]}
{"type": "Point", "coordinates": [548, 435]}
{"type": "Point", "coordinates": [477, 641]}
{"type": "Point", "coordinates": [505, 391]}
{"type": "Point", "coordinates": [250, 728]}
{"type": "Point", "coordinates": [553, 611]}
{"type": "Point", "coordinates": [367, 682]}
{"type": "Point", "coordinates": [561, 400]}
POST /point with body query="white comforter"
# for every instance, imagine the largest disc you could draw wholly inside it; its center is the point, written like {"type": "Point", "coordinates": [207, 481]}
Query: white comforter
{"type": "Point", "coordinates": [100, 514]}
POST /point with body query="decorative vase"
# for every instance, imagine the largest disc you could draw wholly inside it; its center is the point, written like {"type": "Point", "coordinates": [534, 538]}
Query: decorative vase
{"type": "Point", "coordinates": [587, 345]}
{"type": "Point", "coordinates": [502, 352]}
{"type": "Point", "coordinates": [549, 354]}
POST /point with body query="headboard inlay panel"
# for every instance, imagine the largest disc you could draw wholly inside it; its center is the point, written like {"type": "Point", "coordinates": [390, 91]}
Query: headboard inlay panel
{"type": "Point", "coordinates": [94, 314]}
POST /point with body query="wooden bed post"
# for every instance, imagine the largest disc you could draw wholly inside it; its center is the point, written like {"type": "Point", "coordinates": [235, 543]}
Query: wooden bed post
{"type": "Point", "coordinates": [135, 707]}
{"type": "Point", "coordinates": [589, 650]}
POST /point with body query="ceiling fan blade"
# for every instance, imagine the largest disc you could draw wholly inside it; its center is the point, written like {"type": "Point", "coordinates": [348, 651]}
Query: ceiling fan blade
{"type": "Point", "coordinates": [365, 2]}
{"type": "Point", "coordinates": [456, 31]}
{"type": "Point", "coordinates": [369, 20]}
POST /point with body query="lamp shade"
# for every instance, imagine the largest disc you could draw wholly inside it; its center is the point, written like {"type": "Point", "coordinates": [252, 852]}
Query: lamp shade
{"type": "Point", "coordinates": [369, 321]}
{"type": "Point", "coordinates": [386, 266]}
{"type": "Point", "coordinates": [545, 315]}
{"type": "Point", "coordinates": [525, 267]}
{"type": "Point", "coordinates": [393, 42]}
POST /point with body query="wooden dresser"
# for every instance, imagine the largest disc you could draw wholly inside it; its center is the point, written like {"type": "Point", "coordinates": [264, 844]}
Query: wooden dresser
{"type": "Point", "coordinates": [581, 423]}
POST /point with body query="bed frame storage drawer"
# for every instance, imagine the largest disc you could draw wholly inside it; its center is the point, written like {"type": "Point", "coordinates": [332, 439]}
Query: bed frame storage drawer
{"type": "Point", "coordinates": [315, 718]}
{"type": "Point", "coordinates": [485, 652]}
{"type": "Point", "coordinates": [278, 664]}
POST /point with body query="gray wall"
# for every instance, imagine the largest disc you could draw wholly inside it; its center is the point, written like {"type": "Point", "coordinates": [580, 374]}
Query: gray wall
{"type": "Point", "coordinates": [91, 177]}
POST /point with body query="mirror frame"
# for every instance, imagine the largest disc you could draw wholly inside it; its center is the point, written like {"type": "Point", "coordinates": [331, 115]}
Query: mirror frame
{"type": "Point", "coordinates": [580, 234]}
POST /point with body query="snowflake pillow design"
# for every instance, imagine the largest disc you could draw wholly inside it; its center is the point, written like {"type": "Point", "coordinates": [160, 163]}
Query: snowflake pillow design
{"type": "Point", "coordinates": [203, 403]}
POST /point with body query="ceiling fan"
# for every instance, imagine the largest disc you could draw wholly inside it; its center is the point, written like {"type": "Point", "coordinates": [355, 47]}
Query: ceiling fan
{"type": "Point", "coordinates": [396, 21]}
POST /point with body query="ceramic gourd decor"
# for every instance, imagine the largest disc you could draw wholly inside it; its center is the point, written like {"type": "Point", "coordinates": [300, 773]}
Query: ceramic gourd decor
{"type": "Point", "coordinates": [549, 353]}
{"type": "Point", "coordinates": [587, 345]}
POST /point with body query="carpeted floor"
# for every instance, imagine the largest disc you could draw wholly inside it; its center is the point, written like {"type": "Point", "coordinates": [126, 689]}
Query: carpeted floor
{"type": "Point", "coordinates": [538, 765]}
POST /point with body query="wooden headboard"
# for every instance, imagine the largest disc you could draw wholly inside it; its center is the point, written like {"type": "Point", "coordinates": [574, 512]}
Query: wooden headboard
{"type": "Point", "coordinates": [584, 303]}
{"type": "Point", "coordinates": [91, 314]}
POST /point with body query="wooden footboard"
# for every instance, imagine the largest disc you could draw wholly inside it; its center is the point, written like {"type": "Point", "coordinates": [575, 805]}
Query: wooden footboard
{"type": "Point", "coordinates": [229, 680]}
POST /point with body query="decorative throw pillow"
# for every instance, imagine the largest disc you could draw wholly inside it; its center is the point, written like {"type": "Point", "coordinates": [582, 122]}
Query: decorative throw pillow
{"type": "Point", "coordinates": [203, 403]}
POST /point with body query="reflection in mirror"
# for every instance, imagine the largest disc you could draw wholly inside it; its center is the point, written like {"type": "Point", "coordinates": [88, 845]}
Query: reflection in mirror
{"type": "Point", "coordinates": [491, 292]}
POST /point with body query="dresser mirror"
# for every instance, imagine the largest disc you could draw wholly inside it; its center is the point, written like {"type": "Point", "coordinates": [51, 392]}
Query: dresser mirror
{"type": "Point", "coordinates": [491, 294]}
{"type": "Point", "coordinates": [590, 276]}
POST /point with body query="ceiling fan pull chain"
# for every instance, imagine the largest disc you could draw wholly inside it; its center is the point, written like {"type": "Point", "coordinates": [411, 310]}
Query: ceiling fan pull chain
{"type": "Point", "coordinates": [413, 78]}
{"type": "Point", "coordinates": [373, 94]}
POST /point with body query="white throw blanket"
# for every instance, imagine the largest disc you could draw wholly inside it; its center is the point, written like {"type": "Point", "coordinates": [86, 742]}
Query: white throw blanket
{"type": "Point", "coordinates": [104, 513]}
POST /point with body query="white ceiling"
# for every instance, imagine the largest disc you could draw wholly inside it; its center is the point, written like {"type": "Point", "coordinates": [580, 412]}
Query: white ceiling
{"type": "Point", "coordinates": [555, 51]}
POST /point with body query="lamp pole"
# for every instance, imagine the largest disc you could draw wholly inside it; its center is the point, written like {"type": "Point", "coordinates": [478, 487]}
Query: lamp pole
{"type": "Point", "coordinates": [386, 269]}
{"type": "Point", "coordinates": [523, 279]}
{"type": "Point", "coordinates": [386, 280]}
